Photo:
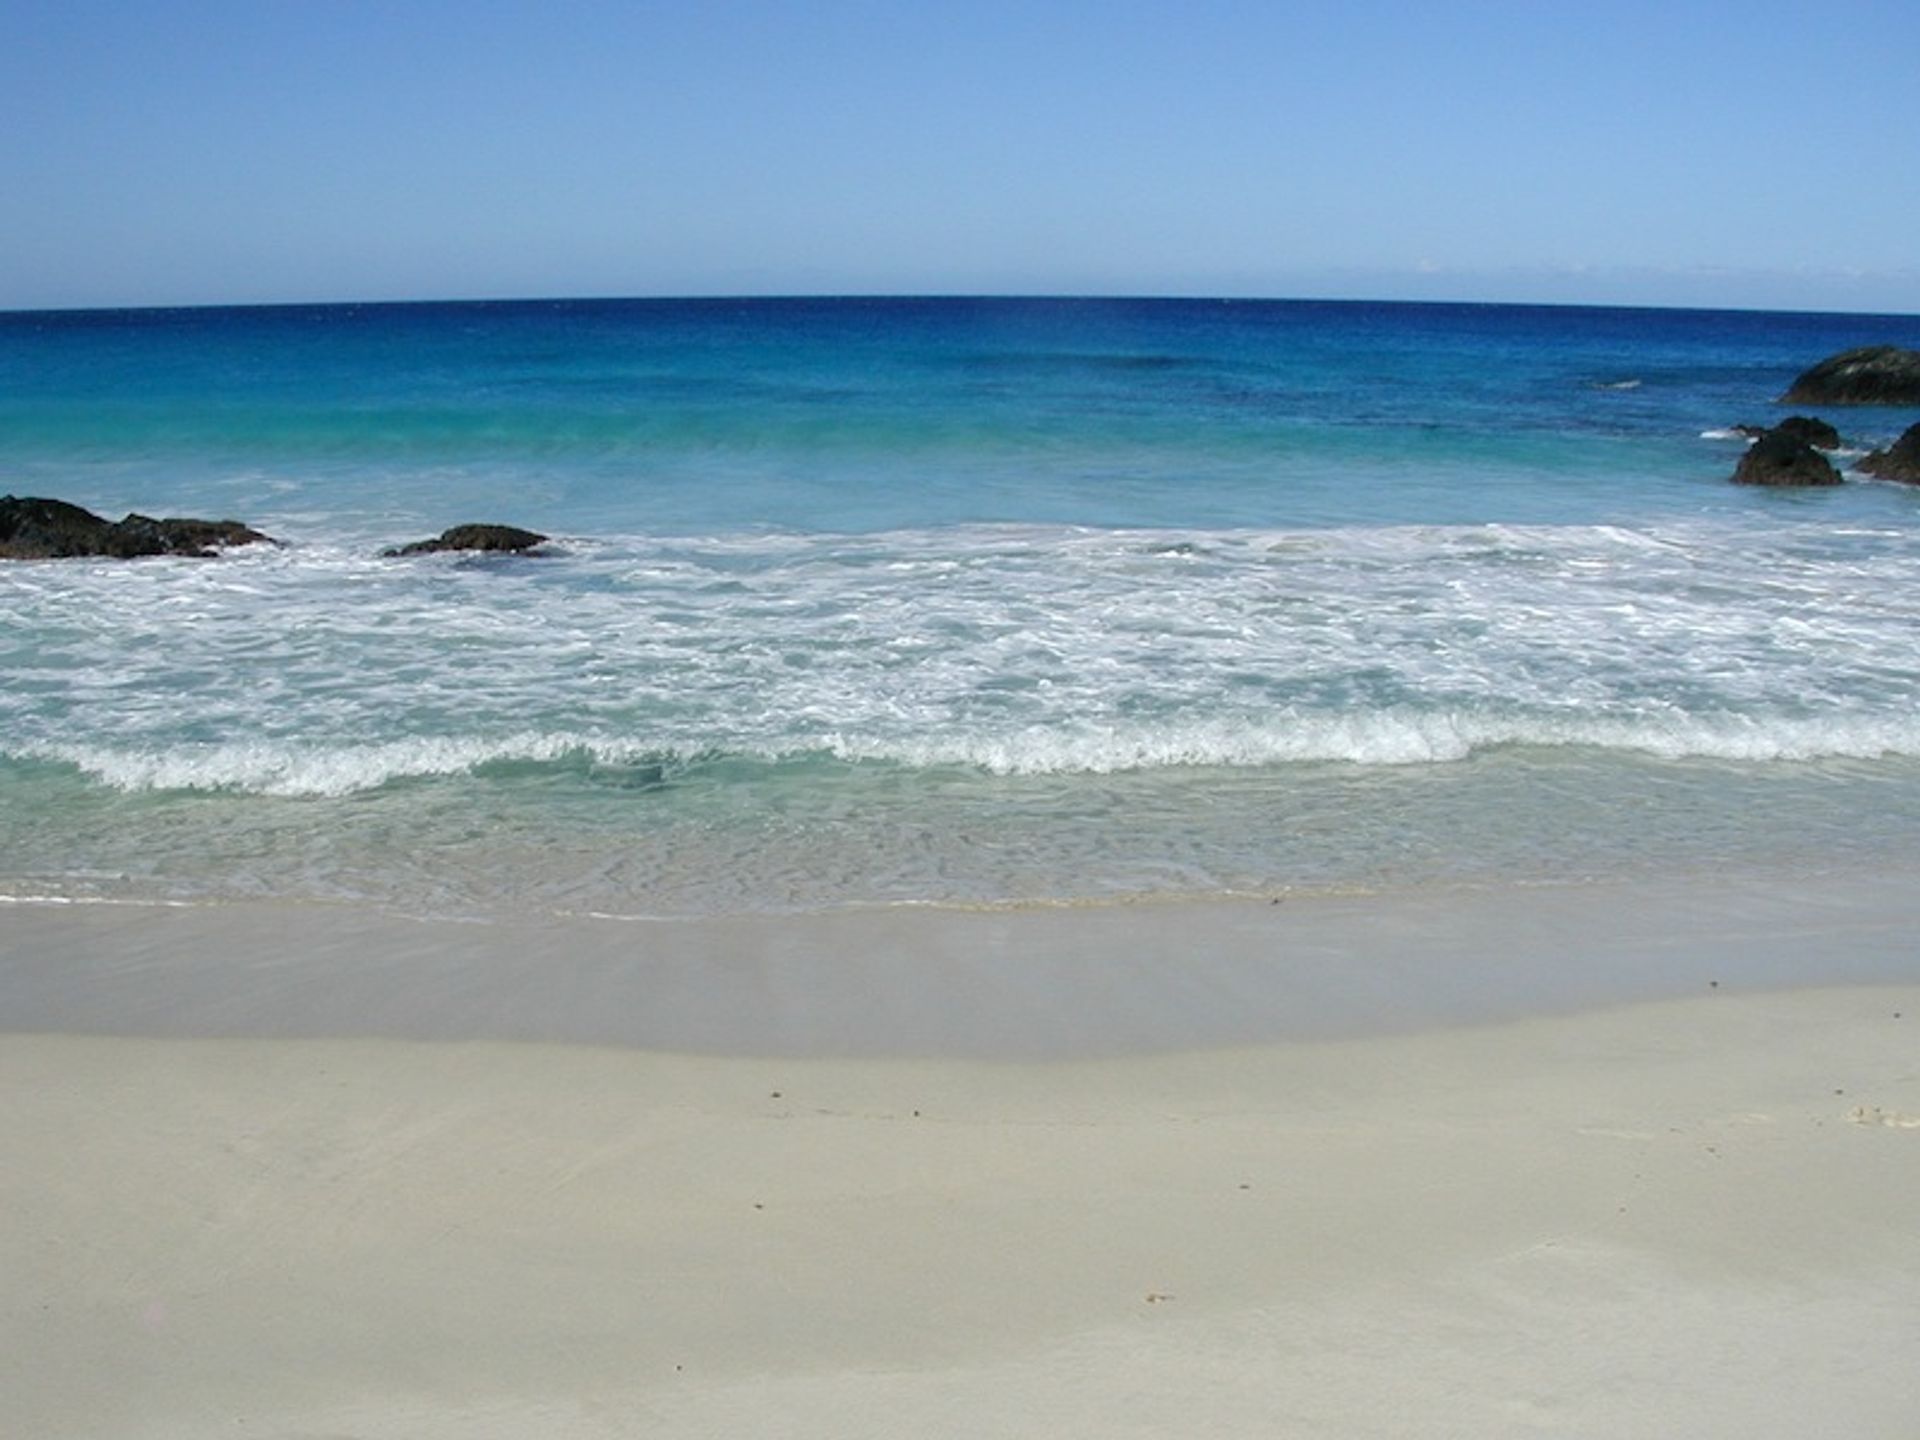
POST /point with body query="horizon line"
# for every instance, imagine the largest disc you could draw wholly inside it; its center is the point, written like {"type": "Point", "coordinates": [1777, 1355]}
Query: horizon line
{"type": "Point", "coordinates": [1089, 297]}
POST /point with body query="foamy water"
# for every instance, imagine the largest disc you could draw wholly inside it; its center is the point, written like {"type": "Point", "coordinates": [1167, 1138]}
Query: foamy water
{"type": "Point", "coordinates": [1479, 627]}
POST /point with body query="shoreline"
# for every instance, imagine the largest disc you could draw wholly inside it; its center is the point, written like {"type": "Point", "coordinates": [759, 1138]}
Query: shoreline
{"type": "Point", "coordinates": [1020, 984]}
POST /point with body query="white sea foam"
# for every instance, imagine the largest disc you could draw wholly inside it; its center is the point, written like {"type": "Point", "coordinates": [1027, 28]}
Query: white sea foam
{"type": "Point", "coordinates": [1398, 737]}
{"type": "Point", "coordinates": [305, 769]}
{"type": "Point", "coordinates": [1402, 738]}
{"type": "Point", "coordinates": [1013, 649]}
{"type": "Point", "coordinates": [145, 902]}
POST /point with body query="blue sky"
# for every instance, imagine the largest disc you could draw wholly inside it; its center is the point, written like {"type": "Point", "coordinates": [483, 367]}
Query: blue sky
{"type": "Point", "coordinates": [1753, 154]}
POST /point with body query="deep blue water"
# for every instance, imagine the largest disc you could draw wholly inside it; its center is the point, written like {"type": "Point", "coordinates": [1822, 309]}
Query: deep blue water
{"type": "Point", "coordinates": [951, 600]}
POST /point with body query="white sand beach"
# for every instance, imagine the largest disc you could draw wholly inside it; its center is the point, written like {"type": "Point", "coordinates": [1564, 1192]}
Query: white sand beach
{"type": "Point", "coordinates": [252, 1188]}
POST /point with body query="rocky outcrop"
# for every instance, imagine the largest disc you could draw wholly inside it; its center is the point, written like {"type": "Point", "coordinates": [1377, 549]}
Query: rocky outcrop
{"type": "Point", "coordinates": [1781, 458]}
{"type": "Point", "coordinates": [1899, 461]}
{"type": "Point", "coordinates": [32, 528]}
{"type": "Point", "coordinates": [1871, 375]}
{"type": "Point", "coordinates": [498, 539]}
{"type": "Point", "coordinates": [1817, 433]}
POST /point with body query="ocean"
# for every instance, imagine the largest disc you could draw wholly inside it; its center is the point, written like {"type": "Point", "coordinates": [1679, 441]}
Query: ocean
{"type": "Point", "coordinates": [966, 602]}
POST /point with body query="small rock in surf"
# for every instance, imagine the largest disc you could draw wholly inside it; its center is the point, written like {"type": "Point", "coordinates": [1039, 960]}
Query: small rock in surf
{"type": "Point", "coordinates": [490, 539]}
{"type": "Point", "coordinates": [1781, 458]}
{"type": "Point", "coordinates": [1899, 461]}
{"type": "Point", "coordinates": [1817, 433]}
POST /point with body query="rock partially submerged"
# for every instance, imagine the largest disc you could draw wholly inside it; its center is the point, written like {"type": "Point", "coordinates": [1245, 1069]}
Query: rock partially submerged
{"type": "Point", "coordinates": [1871, 375]}
{"type": "Point", "coordinates": [496, 539]}
{"type": "Point", "coordinates": [1780, 457]}
{"type": "Point", "coordinates": [1817, 433]}
{"type": "Point", "coordinates": [32, 528]}
{"type": "Point", "coordinates": [1899, 461]}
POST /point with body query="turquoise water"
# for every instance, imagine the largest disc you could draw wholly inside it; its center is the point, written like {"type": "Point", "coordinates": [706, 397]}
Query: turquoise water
{"type": "Point", "coordinates": [952, 601]}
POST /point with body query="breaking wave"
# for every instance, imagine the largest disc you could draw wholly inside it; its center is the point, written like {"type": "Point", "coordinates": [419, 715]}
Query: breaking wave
{"type": "Point", "coordinates": [1401, 737]}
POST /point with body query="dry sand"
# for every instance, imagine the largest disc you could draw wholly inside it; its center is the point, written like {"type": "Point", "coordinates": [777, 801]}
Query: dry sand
{"type": "Point", "coordinates": [231, 1212]}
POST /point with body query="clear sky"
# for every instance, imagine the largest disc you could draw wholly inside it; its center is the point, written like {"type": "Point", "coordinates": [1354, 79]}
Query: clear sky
{"type": "Point", "coordinates": [1760, 153]}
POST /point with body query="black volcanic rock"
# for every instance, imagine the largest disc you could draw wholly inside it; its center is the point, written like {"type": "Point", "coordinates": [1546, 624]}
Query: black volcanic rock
{"type": "Point", "coordinates": [1899, 461]}
{"type": "Point", "coordinates": [1781, 458]}
{"type": "Point", "coordinates": [1871, 375]}
{"type": "Point", "coordinates": [32, 528]}
{"type": "Point", "coordinates": [497, 539]}
{"type": "Point", "coordinates": [35, 529]}
{"type": "Point", "coordinates": [1817, 433]}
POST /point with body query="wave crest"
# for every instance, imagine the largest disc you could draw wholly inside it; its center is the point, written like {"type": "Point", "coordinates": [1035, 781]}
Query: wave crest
{"type": "Point", "coordinates": [286, 768]}
{"type": "Point", "coordinates": [1397, 737]}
